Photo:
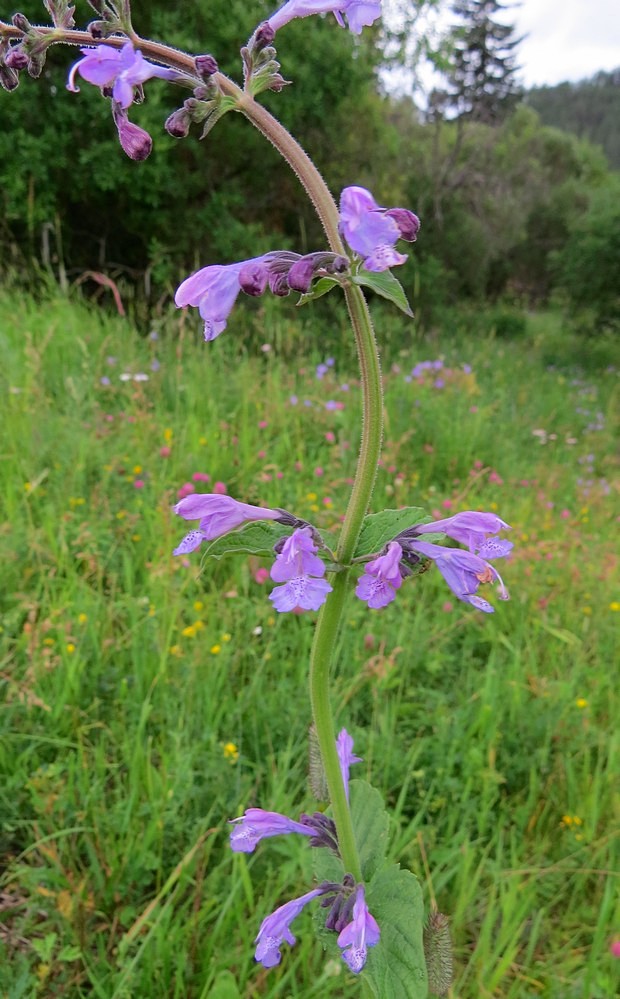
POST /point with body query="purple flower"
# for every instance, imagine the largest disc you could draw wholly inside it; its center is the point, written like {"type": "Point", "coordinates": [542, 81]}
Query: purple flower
{"type": "Point", "coordinates": [123, 69]}
{"type": "Point", "coordinates": [362, 932]}
{"type": "Point", "coordinates": [297, 557]}
{"type": "Point", "coordinates": [300, 569]}
{"type": "Point", "coordinates": [274, 930]}
{"type": "Point", "coordinates": [468, 528]}
{"type": "Point", "coordinates": [217, 514]}
{"type": "Point", "coordinates": [463, 571]}
{"type": "Point", "coordinates": [304, 592]}
{"type": "Point", "coordinates": [344, 747]}
{"type": "Point", "coordinates": [381, 578]}
{"type": "Point", "coordinates": [359, 13]}
{"type": "Point", "coordinates": [256, 824]}
{"type": "Point", "coordinates": [214, 291]}
{"type": "Point", "coordinates": [373, 231]}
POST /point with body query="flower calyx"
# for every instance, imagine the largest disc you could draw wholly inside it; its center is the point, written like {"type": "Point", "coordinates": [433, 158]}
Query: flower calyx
{"type": "Point", "coordinates": [261, 69]}
{"type": "Point", "coordinates": [30, 52]}
{"type": "Point", "coordinates": [207, 105]}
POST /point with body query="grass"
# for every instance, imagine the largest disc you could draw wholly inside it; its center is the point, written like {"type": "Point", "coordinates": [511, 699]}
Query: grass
{"type": "Point", "coordinates": [146, 701]}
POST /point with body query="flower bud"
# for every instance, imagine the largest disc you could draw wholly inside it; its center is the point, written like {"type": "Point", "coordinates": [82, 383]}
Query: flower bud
{"type": "Point", "coordinates": [278, 285]}
{"type": "Point", "coordinates": [301, 273]}
{"type": "Point", "coordinates": [177, 124]}
{"type": "Point", "coordinates": [407, 222]}
{"type": "Point", "coordinates": [206, 66]}
{"type": "Point", "coordinates": [36, 63]}
{"type": "Point", "coordinates": [17, 58]}
{"type": "Point", "coordinates": [21, 22]}
{"type": "Point", "coordinates": [253, 279]}
{"type": "Point", "coordinates": [338, 265]}
{"type": "Point", "coordinates": [9, 79]}
{"type": "Point", "coordinates": [263, 36]}
{"type": "Point", "coordinates": [134, 140]}
{"type": "Point", "coordinates": [97, 29]}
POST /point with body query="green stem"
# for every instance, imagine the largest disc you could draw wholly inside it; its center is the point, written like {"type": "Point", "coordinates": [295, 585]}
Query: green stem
{"type": "Point", "coordinates": [330, 617]}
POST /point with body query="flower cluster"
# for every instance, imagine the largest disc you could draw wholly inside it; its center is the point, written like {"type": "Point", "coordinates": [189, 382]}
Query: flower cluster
{"type": "Point", "coordinates": [348, 913]}
{"type": "Point", "coordinates": [214, 289]}
{"type": "Point", "coordinates": [301, 571]}
{"type": "Point", "coordinates": [120, 73]}
{"type": "Point", "coordinates": [463, 571]}
{"type": "Point", "coordinates": [371, 231]}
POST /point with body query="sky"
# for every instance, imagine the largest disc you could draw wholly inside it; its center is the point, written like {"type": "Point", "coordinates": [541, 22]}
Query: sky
{"type": "Point", "coordinates": [568, 39]}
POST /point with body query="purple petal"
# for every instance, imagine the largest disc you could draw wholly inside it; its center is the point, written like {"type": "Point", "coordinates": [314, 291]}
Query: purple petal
{"type": "Point", "coordinates": [297, 557]}
{"type": "Point", "coordinates": [302, 591]}
{"type": "Point", "coordinates": [257, 824]}
{"type": "Point", "coordinates": [362, 932]}
{"type": "Point", "coordinates": [346, 756]}
{"type": "Point", "coordinates": [190, 543]}
{"type": "Point", "coordinates": [382, 258]}
{"type": "Point", "coordinates": [274, 930]}
{"type": "Point", "coordinates": [375, 591]}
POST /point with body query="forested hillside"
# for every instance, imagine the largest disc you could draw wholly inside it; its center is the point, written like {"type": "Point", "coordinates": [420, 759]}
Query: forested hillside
{"type": "Point", "coordinates": [589, 108]}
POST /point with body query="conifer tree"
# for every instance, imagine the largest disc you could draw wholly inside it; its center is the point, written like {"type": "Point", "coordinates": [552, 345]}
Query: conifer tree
{"type": "Point", "coordinates": [482, 69]}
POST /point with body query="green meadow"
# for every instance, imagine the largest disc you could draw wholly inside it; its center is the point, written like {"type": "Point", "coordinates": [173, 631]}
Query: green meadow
{"type": "Point", "coordinates": [147, 699]}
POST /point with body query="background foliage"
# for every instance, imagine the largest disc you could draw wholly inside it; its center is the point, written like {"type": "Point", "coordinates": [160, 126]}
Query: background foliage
{"type": "Point", "coordinates": [500, 205]}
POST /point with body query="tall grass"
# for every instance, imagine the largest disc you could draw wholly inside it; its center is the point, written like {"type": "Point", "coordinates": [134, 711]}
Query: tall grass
{"type": "Point", "coordinates": [147, 699]}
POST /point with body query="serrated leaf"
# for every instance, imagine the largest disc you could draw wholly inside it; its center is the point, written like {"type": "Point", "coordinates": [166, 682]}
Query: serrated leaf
{"type": "Point", "coordinates": [396, 967]}
{"type": "Point", "coordinates": [322, 286]}
{"type": "Point", "coordinates": [257, 538]}
{"type": "Point", "coordinates": [385, 284]}
{"type": "Point", "coordinates": [380, 528]}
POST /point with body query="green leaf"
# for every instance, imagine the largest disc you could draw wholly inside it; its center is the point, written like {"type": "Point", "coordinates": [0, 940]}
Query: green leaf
{"type": "Point", "coordinates": [225, 987]}
{"type": "Point", "coordinates": [370, 825]}
{"type": "Point", "coordinates": [380, 528]}
{"type": "Point", "coordinates": [322, 286]}
{"type": "Point", "coordinates": [69, 953]}
{"type": "Point", "coordinates": [396, 967]}
{"type": "Point", "coordinates": [386, 285]}
{"type": "Point", "coordinates": [257, 538]}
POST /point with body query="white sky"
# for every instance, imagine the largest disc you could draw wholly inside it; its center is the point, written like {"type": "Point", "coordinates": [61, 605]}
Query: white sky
{"type": "Point", "coordinates": [568, 39]}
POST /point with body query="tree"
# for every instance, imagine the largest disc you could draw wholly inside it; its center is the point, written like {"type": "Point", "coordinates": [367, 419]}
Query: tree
{"type": "Point", "coordinates": [482, 69]}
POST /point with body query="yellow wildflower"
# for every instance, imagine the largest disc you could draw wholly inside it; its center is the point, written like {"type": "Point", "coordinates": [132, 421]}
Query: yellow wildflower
{"type": "Point", "coordinates": [231, 752]}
